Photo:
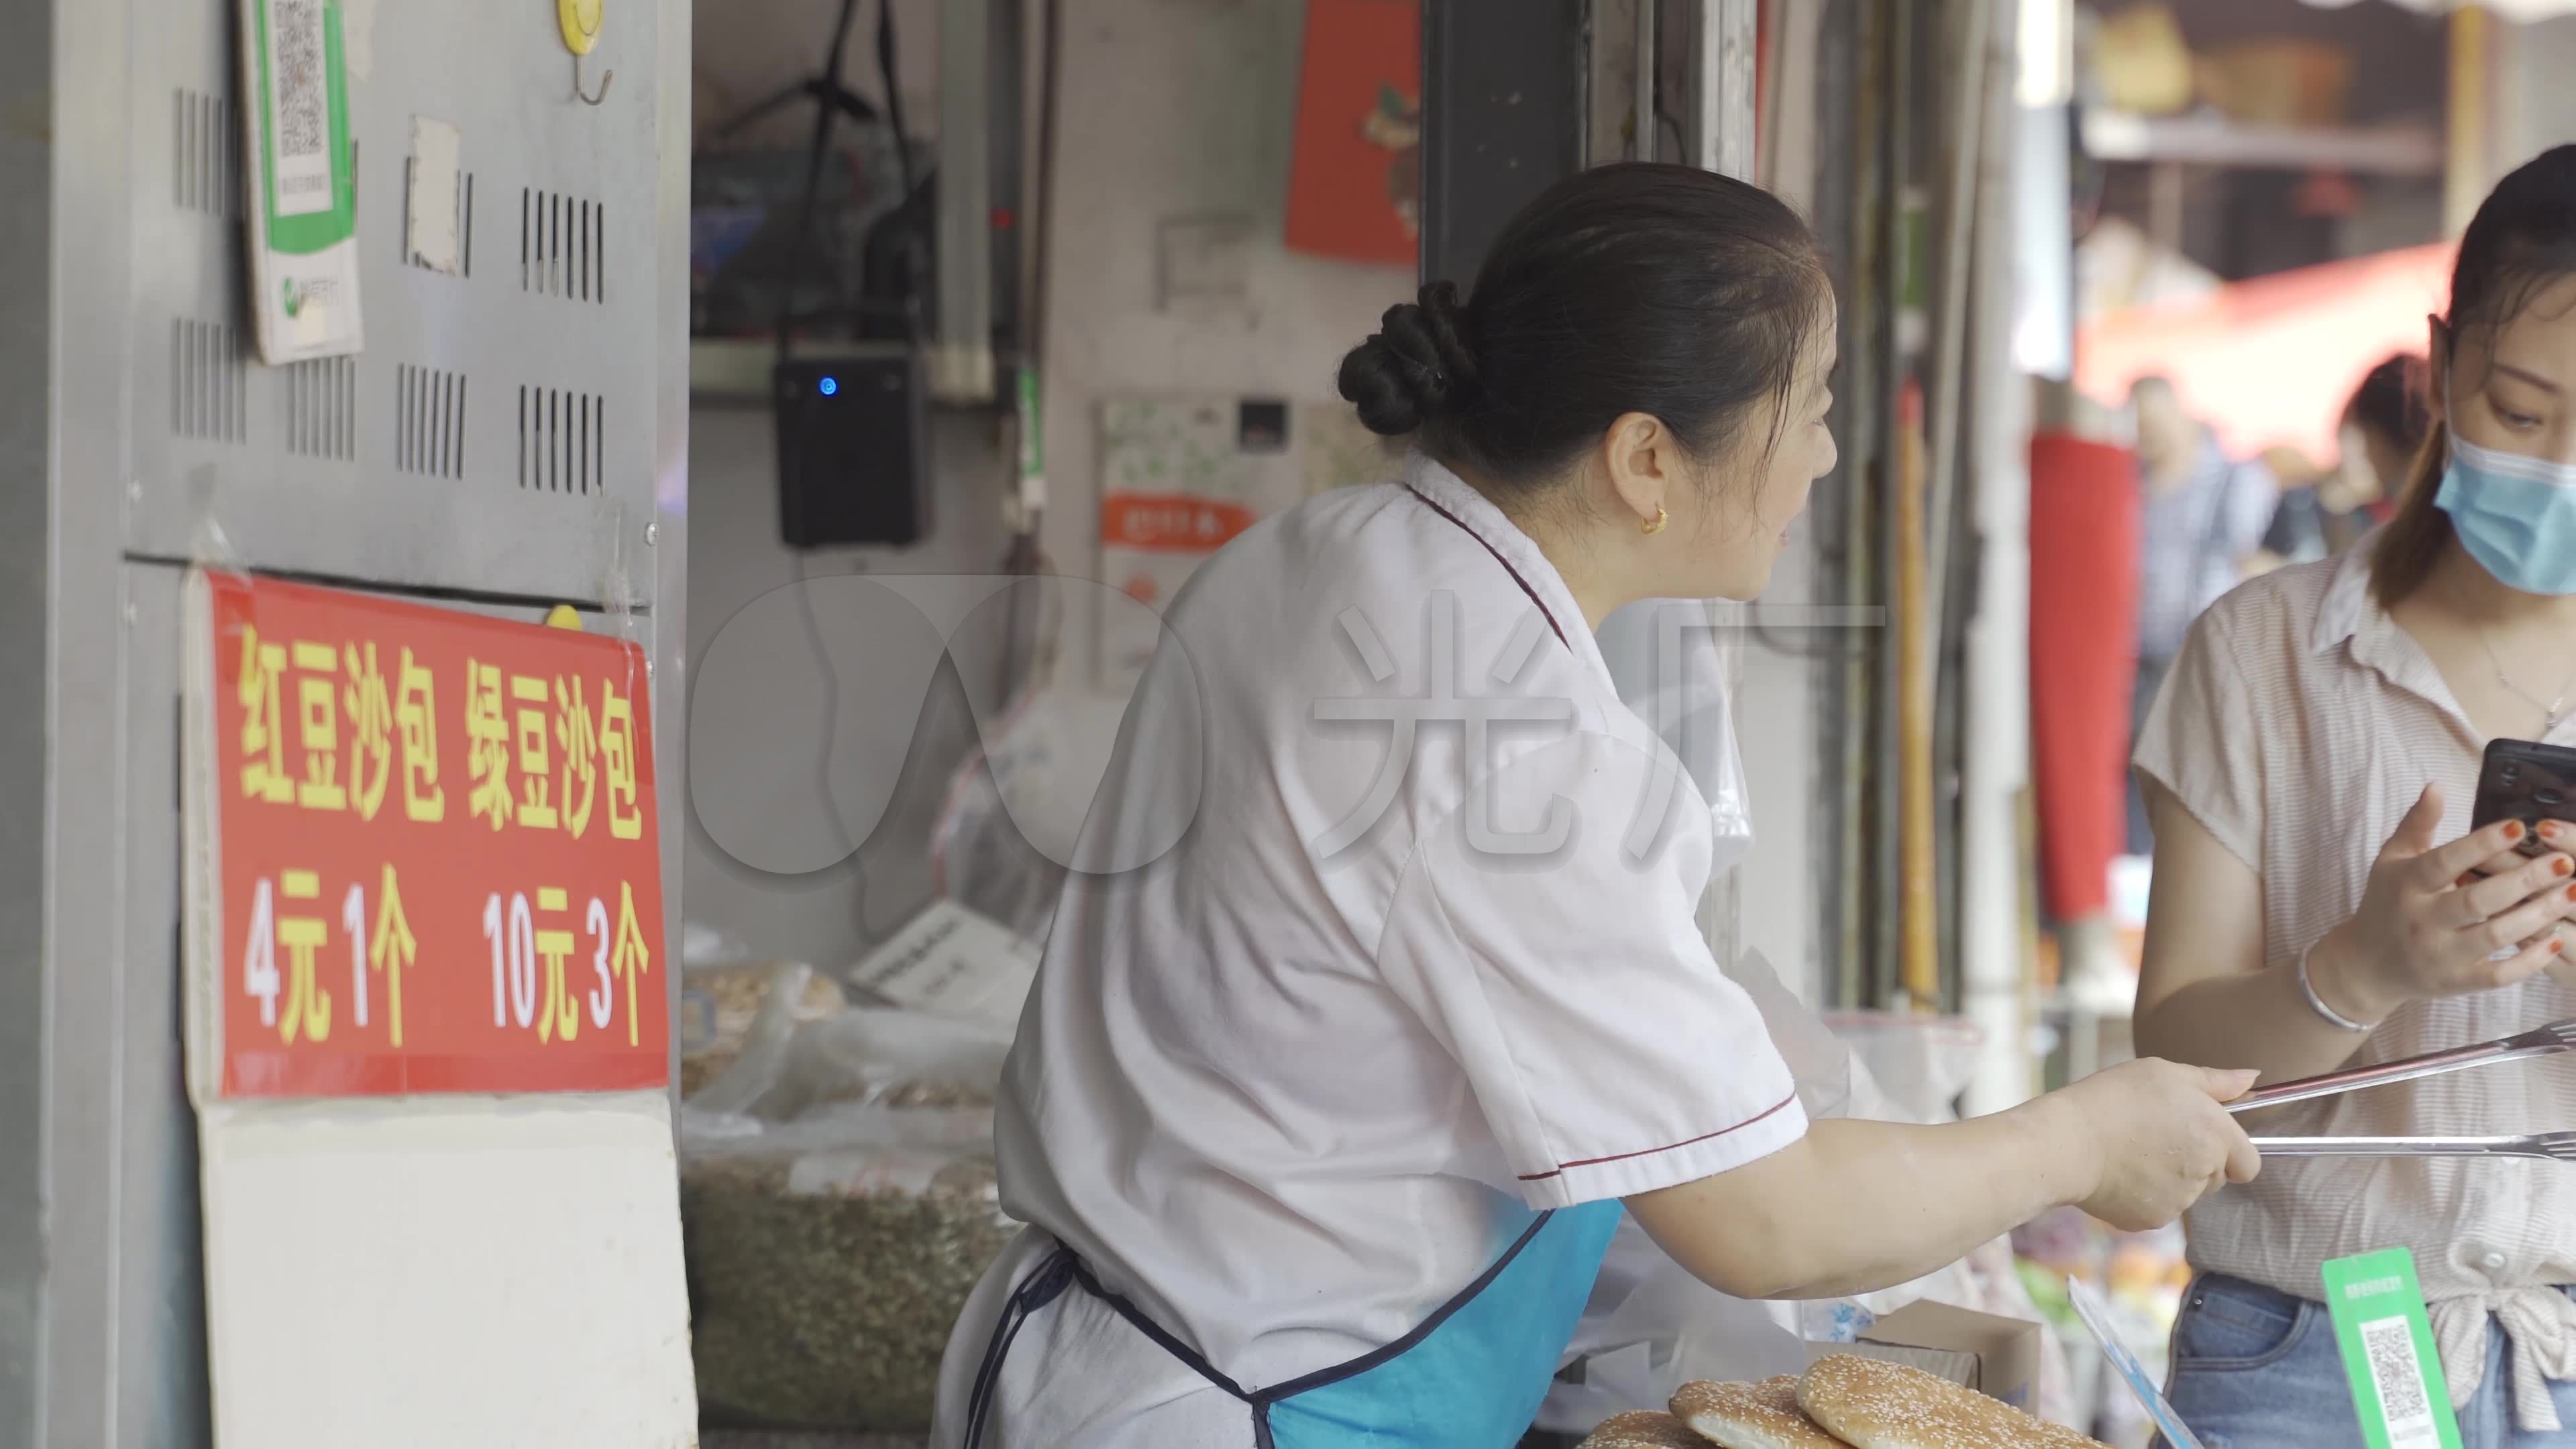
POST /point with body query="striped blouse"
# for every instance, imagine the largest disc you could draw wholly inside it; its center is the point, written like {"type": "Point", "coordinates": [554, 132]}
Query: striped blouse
{"type": "Point", "coordinates": [2299, 724]}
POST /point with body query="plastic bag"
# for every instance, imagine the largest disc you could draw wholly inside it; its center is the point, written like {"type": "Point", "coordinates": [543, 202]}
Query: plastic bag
{"type": "Point", "coordinates": [1014, 812]}
{"type": "Point", "coordinates": [1820, 1063]}
{"type": "Point", "coordinates": [1672, 665]}
{"type": "Point", "coordinates": [828, 1258]}
{"type": "Point", "coordinates": [720, 1010]}
{"type": "Point", "coordinates": [866, 1056]}
{"type": "Point", "coordinates": [838, 1203]}
{"type": "Point", "coordinates": [1925, 1061]}
{"type": "Point", "coordinates": [703, 946]}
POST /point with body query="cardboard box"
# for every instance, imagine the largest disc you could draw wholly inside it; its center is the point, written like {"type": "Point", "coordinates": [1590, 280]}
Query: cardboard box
{"type": "Point", "coordinates": [1996, 1356]}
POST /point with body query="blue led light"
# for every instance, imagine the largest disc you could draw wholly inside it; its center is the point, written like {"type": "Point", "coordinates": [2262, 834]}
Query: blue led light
{"type": "Point", "coordinates": [831, 385]}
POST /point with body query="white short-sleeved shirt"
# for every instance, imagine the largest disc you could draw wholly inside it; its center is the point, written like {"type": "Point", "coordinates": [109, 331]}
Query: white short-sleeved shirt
{"type": "Point", "coordinates": [2299, 725]}
{"type": "Point", "coordinates": [1413, 969]}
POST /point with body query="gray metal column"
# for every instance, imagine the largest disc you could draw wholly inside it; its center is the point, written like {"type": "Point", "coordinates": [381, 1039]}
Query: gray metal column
{"type": "Point", "coordinates": [137, 434]}
{"type": "Point", "coordinates": [26, 524]}
{"type": "Point", "coordinates": [1504, 115]}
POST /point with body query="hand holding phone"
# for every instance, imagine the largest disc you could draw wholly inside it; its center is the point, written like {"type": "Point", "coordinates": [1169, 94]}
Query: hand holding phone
{"type": "Point", "coordinates": [2440, 919]}
{"type": "Point", "coordinates": [2531, 782]}
{"type": "Point", "coordinates": [2534, 783]}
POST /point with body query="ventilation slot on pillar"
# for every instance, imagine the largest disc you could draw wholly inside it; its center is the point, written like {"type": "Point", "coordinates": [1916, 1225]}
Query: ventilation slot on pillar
{"type": "Point", "coordinates": [322, 409]}
{"type": "Point", "coordinates": [209, 383]}
{"type": "Point", "coordinates": [429, 422]}
{"type": "Point", "coordinates": [464, 224]}
{"type": "Point", "coordinates": [563, 246]}
{"type": "Point", "coordinates": [563, 443]}
{"type": "Point", "coordinates": [205, 151]}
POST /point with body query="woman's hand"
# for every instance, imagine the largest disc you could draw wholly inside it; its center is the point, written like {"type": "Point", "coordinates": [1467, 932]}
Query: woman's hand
{"type": "Point", "coordinates": [2440, 921]}
{"type": "Point", "coordinates": [2160, 1138]}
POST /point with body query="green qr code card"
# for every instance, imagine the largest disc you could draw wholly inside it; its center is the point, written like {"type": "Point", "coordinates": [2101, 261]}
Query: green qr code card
{"type": "Point", "coordinates": [2387, 1341]}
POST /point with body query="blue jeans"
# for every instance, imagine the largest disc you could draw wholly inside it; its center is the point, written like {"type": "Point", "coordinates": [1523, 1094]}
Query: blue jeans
{"type": "Point", "coordinates": [2256, 1369]}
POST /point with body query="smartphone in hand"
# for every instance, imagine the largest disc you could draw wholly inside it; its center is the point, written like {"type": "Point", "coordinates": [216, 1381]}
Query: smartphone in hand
{"type": "Point", "coordinates": [2527, 781]}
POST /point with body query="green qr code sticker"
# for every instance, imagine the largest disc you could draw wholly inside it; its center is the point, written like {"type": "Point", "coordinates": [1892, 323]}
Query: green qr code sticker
{"type": "Point", "coordinates": [2398, 1389]}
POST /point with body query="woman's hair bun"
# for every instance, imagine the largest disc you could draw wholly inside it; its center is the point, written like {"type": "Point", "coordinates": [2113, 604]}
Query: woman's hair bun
{"type": "Point", "coordinates": [1415, 368]}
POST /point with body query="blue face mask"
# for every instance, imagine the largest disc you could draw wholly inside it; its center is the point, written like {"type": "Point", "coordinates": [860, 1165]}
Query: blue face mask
{"type": "Point", "coordinates": [2515, 515]}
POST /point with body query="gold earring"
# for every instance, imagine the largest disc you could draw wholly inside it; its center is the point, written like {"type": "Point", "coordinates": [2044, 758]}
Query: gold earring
{"type": "Point", "coordinates": [1656, 524]}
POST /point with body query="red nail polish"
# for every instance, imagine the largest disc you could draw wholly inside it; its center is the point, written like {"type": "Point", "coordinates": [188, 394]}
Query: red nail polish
{"type": "Point", "coordinates": [2562, 867]}
{"type": "Point", "coordinates": [2513, 830]}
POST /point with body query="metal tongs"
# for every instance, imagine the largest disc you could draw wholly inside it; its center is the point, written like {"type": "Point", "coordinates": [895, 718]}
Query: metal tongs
{"type": "Point", "coordinates": [2556, 1037]}
{"type": "Point", "coordinates": [2554, 1146]}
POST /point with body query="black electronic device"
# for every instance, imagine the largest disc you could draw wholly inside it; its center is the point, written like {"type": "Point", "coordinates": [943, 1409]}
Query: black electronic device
{"type": "Point", "coordinates": [2527, 781]}
{"type": "Point", "coordinates": [853, 449]}
{"type": "Point", "coordinates": [853, 464]}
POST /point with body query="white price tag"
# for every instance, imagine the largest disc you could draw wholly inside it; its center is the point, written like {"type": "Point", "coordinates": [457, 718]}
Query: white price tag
{"type": "Point", "coordinates": [949, 961]}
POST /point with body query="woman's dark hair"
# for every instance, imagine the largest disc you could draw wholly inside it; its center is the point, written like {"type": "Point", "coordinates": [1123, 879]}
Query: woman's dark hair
{"type": "Point", "coordinates": [1656, 289]}
{"type": "Point", "coordinates": [2522, 241]}
{"type": "Point", "coordinates": [2390, 402]}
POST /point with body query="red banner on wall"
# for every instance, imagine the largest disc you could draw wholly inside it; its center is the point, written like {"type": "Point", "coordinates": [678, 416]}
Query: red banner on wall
{"type": "Point", "coordinates": [1355, 181]}
{"type": "Point", "coordinates": [426, 853]}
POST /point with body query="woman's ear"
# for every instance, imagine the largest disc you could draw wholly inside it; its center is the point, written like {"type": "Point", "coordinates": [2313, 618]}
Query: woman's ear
{"type": "Point", "coordinates": [1643, 461]}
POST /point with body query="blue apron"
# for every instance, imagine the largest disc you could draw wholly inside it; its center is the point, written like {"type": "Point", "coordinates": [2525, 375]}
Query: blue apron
{"type": "Point", "coordinates": [1470, 1376]}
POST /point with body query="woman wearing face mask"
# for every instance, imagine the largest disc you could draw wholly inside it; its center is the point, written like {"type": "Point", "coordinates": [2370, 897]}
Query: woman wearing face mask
{"type": "Point", "coordinates": [2318, 901]}
{"type": "Point", "coordinates": [1378, 990]}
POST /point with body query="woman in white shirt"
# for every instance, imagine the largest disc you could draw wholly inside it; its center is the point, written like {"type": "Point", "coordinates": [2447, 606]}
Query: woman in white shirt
{"type": "Point", "coordinates": [2318, 902]}
{"type": "Point", "coordinates": [1379, 988]}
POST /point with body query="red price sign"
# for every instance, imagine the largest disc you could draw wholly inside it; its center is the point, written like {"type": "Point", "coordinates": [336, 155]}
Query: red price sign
{"type": "Point", "coordinates": [439, 869]}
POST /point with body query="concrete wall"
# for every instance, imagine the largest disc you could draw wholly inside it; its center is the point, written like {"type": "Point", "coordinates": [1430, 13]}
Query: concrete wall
{"type": "Point", "coordinates": [829, 915]}
{"type": "Point", "coordinates": [1176, 111]}
{"type": "Point", "coordinates": [1172, 110]}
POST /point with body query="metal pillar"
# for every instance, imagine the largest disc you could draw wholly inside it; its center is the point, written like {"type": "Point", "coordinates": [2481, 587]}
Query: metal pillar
{"type": "Point", "coordinates": [1504, 114]}
{"type": "Point", "coordinates": [137, 435]}
{"type": "Point", "coordinates": [1722, 79]}
{"type": "Point", "coordinates": [1517, 94]}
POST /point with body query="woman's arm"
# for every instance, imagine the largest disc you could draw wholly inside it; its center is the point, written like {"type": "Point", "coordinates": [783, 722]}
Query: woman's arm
{"type": "Point", "coordinates": [1856, 1206]}
{"type": "Point", "coordinates": [2428, 927]}
{"type": "Point", "coordinates": [2204, 992]}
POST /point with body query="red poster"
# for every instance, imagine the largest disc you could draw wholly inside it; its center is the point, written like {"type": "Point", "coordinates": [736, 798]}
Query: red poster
{"type": "Point", "coordinates": [1354, 189]}
{"type": "Point", "coordinates": [434, 863]}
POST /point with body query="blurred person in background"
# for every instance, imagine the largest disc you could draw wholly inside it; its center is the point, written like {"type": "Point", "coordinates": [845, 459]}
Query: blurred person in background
{"type": "Point", "coordinates": [2319, 900]}
{"type": "Point", "coordinates": [2327, 511]}
{"type": "Point", "coordinates": [2302, 529]}
{"type": "Point", "coordinates": [2383, 429]}
{"type": "Point", "coordinates": [2201, 520]}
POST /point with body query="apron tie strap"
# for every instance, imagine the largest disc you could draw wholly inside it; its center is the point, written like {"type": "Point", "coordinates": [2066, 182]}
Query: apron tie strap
{"type": "Point", "coordinates": [1035, 1292]}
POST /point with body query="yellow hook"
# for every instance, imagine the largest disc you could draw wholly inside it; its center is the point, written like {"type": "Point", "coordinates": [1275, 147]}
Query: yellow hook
{"type": "Point", "coordinates": [580, 22]}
